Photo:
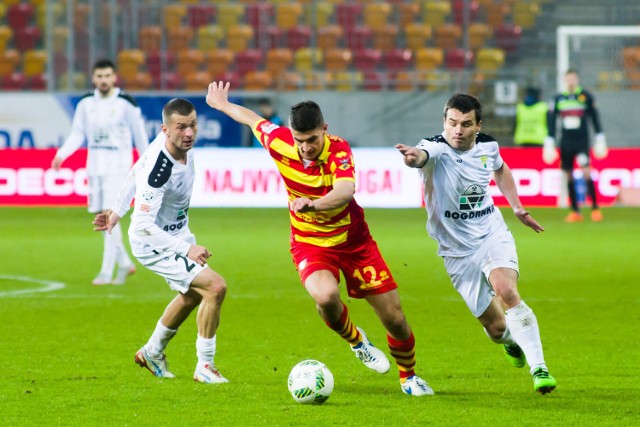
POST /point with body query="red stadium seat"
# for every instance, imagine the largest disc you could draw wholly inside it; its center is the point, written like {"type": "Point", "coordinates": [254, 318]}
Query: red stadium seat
{"type": "Point", "coordinates": [249, 60]}
{"type": "Point", "coordinates": [397, 60]}
{"type": "Point", "coordinates": [458, 59]}
{"type": "Point", "coordinates": [507, 37]}
{"type": "Point", "coordinates": [234, 79]}
{"type": "Point", "coordinates": [37, 82]}
{"type": "Point", "coordinates": [171, 81]}
{"type": "Point", "coordinates": [373, 80]}
{"type": "Point", "coordinates": [299, 37]}
{"type": "Point", "coordinates": [259, 15]}
{"type": "Point", "coordinates": [367, 59]}
{"type": "Point", "coordinates": [347, 14]}
{"type": "Point", "coordinates": [20, 15]}
{"type": "Point", "coordinates": [458, 11]}
{"type": "Point", "coordinates": [28, 38]}
{"type": "Point", "coordinates": [14, 81]}
{"type": "Point", "coordinates": [358, 37]}
{"type": "Point", "coordinates": [200, 14]}
{"type": "Point", "coordinates": [159, 62]}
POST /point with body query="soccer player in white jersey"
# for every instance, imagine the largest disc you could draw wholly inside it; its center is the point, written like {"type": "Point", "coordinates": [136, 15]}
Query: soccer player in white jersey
{"type": "Point", "coordinates": [161, 241]}
{"type": "Point", "coordinates": [108, 120]}
{"type": "Point", "coordinates": [477, 247]}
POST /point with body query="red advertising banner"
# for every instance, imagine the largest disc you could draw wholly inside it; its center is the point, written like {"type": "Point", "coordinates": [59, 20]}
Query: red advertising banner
{"type": "Point", "coordinates": [26, 178]}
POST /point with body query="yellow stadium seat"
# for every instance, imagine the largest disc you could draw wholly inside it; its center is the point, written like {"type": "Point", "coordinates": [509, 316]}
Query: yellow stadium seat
{"type": "Point", "coordinates": [179, 38]}
{"type": "Point", "coordinates": [288, 15]}
{"type": "Point", "coordinates": [347, 81]}
{"type": "Point", "coordinates": [407, 13]}
{"type": "Point", "coordinates": [218, 61]}
{"type": "Point", "coordinates": [436, 12]}
{"type": "Point", "coordinates": [319, 14]}
{"type": "Point", "coordinates": [428, 58]}
{"type": "Point", "coordinates": [78, 81]}
{"type": "Point", "coordinates": [150, 38]}
{"type": "Point", "coordinates": [448, 36]}
{"type": "Point", "coordinates": [376, 14]}
{"type": "Point", "coordinates": [239, 37]}
{"type": "Point", "coordinates": [6, 34]}
{"type": "Point", "coordinates": [174, 15]}
{"type": "Point", "coordinates": [278, 61]}
{"type": "Point", "coordinates": [307, 59]}
{"type": "Point", "coordinates": [189, 61]}
{"type": "Point", "coordinates": [197, 81]}
{"type": "Point", "coordinates": [337, 59]}
{"type": "Point", "coordinates": [34, 62]}
{"type": "Point", "coordinates": [489, 60]}
{"type": "Point", "coordinates": [329, 36]}
{"type": "Point", "coordinates": [258, 80]}
{"type": "Point", "coordinates": [9, 60]}
{"type": "Point", "coordinates": [416, 35]}
{"type": "Point", "coordinates": [479, 33]}
{"type": "Point", "coordinates": [385, 37]}
{"type": "Point", "coordinates": [209, 37]}
{"type": "Point", "coordinates": [230, 14]}
{"type": "Point", "coordinates": [129, 62]}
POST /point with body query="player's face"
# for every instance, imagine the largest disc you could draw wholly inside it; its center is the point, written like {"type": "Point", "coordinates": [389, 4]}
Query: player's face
{"type": "Point", "coordinates": [572, 81]}
{"type": "Point", "coordinates": [104, 79]}
{"type": "Point", "coordinates": [311, 143]}
{"type": "Point", "coordinates": [460, 129]}
{"type": "Point", "coordinates": [181, 133]}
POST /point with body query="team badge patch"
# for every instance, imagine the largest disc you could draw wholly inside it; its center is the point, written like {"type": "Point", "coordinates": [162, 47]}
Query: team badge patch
{"type": "Point", "coordinates": [147, 195]}
{"type": "Point", "coordinates": [472, 197]}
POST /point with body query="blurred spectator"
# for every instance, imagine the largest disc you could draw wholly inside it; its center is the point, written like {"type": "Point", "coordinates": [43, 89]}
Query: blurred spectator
{"type": "Point", "coordinates": [267, 111]}
{"type": "Point", "coordinates": [531, 120]}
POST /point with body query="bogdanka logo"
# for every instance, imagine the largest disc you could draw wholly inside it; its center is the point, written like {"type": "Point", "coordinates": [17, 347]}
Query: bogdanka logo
{"type": "Point", "coordinates": [471, 198]}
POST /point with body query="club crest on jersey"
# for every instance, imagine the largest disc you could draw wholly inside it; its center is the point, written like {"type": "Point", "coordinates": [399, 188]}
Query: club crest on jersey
{"type": "Point", "coordinates": [147, 195]}
{"type": "Point", "coordinates": [344, 164]}
{"type": "Point", "coordinates": [484, 159]}
{"type": "Point", "coordinates": [472, 197]}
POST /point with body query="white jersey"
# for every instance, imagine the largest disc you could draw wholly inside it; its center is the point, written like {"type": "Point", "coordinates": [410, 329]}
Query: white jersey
{"type": "Point", "coordinates": [461, 213]}
{"type": "Point", "coordinates": [163, 186]}
{"type": "Point", "coordinates": [108, 124]}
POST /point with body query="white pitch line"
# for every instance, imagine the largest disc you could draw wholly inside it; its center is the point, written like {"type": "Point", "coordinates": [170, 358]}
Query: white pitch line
{"type": "Point", "coordinates": [49, 286]}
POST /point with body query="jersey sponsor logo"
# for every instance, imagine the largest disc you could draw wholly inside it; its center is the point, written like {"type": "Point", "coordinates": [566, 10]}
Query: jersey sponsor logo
{"type": "Point", "coordinates": [472, 197]}
{"type": "Point", "coordinates": [147, 195]}
{"type": "Point", "coordinates": [268, 128]}
{"type": "Point", "coordinates": [182, 213]}
{"type": "Point", "coordinates": [470, 215]}
{"type": "Point", "coordinates": [176, 226]}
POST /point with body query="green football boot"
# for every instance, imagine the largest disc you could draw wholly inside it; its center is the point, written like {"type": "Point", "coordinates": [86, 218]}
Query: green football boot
{"type": "Point", "coordinates": [515, 355]}
{"type": "Point", "coordinates": [543, 382]}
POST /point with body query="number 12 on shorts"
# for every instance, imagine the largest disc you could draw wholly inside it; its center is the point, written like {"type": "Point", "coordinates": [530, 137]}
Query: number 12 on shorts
{"type": "Point", "coordinates": [372, 275]}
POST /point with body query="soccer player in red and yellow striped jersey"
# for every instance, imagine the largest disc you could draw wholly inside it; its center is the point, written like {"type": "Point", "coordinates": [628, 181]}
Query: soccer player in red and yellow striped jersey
{"type": "Point", "coordinates": [329, 233]}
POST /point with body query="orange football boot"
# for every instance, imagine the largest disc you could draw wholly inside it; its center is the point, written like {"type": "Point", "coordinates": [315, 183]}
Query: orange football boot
{"type": "Point", "coordinates": [574, 217]}
{"type": "Point", "coordinates": [596, 215]}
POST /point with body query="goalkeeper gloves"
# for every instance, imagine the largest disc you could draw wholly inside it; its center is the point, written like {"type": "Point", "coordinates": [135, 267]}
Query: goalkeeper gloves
{"type": "Point", "coordinates": [549, 152]}
{"type": "Point", "coordinates": [600, 149]}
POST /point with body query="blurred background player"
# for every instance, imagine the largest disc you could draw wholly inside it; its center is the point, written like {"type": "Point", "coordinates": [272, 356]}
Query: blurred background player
{"type": "Point", "coordinates": [109, 121]}
{"type": "Point", "coordinates": [329, 233]}
{"type": "Point", "coordinates": [161, 241]}
{"type": "Point", "coordinates": [531, 120]}
{"type": "Point", "coordinates": [266, 110]}
{"type": "Point", "coordinates": [574, 107]}
{"type": "Point", "coordinates": [478, 249]}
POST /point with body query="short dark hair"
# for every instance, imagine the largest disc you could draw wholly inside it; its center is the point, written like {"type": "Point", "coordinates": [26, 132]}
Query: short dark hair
{"type": "Point", "coordinates": [572, 71]}
{"type": "Point", "coordinates": [306, 116]}
{"type": "Point", "coordinates": [464, 103]}
{"type": "Point", "coordinates": [103, 63]}
{"type": "Point", "coordinates": [176, 106]}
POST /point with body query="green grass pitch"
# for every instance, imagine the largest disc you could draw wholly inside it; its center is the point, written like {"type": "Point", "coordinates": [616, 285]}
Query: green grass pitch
{"type": "Point", "coordinates": [66, 356]}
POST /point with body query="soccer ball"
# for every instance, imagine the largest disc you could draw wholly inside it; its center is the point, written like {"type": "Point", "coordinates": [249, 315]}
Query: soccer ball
{"type": "Point", "coordinates": [310, 381]}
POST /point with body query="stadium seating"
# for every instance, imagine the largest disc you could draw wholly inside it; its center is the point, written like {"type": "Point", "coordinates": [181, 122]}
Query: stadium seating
{"type": "Point", "coordinates": [239, 37]}
{"type": "Point", "coordinates": [140, 81]}
{"type": "Point", "coordinates": [307, 59]}
{"type": "Point", "coordinates": [458, 59]}
{"type": "Point", "coordinates": [319, 14]}
{"type": "Point", "coordinates": [385, 37]}
{"type": "Point", "coordinates": [358, 37]}
{"type": "Point", "coordinates": [373, 80]}
{"type": "Point", "coordinates": [150, 38]}
{"type": "Point", "coordinates": [458, 7]}
{"type": "Point", "coordinates": [367, 59]}
{"type": "Point", "coordinates": [337, 59]}
{"type": "Point", "coordinates": [428, 58]}
{"type": "Point", "coordinates": [258, 80]}
{"type": "Point", "coordinates": [6, 34]}
{"type": "Point", "coordinates": [230, 15]}
{"type": "Point", "coordinates": [489, 60]}
{"type": "Point", "coordinates": [259, 15]}
{"type": "Point", "coordinates": [209, 37]}
{"type": "Point", "coordinates": [299, 37]}
{"type": "Point", "coordinates": [347, 81]}
{"type": "Point", "coordinates": [407, 13]}
{"type": "Point", "coordinates": [507, 37]}
{"type": "Point", "coordinates": [248, 60]}
{"type": "Point", "coordinates": [129, 63]}
{"type": "Point", "coordinates": [448, 36]}
{"type": "Point", "coordinates": [397, 60]}
{"type": "Point", "coordinates": [29, 37]}
{"type": "Point", "coordinates": [189, 61]}
{"type": "Point", "coordinates": [436, 12]}
{"type": "Point", "coordinates": [9, 61]}
{"type": "Point", "coordinates": [376, 14]}
{"type": "Point", "coordinates": [197, 81]}
{"type": "Point", "coordinates": [329, 36]}
{"type": "Point", "coordinates": [288, 15]}
{"type": "Point", "coordinates": [34, 62]}
{"type": "Point", "coordinates": [13, 82]}
{"type": "Point", "coordinates": [525, 14]}
{"type": "Point", "coordinates": [179, 38]}
{"type": "Point", "coordinates": [416, 35]}
{"type": "Point", "coordinates": [200, 14]}
{"type": "Point", "coordinates": [37, 82]}
{"type": "Point", "coordinates": [347, 14]}
{"type": "Point", "coordinates": [479, 34]}
{"type": "Point", "coordinates": [20, 15]}
{"type": "Point", "coordinates": [278, 61]}
{"type": "Point", "coordinates": [173, 15]}
{"type": "Point", "coordinates": [218, 61]}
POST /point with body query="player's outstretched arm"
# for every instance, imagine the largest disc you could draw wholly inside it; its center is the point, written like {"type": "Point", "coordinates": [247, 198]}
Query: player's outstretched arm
{"type": "Point", "coordinates": [218, 98]}
{"type": "Point", "coordinates": [413, 157]}
{"type": "Point", "coordinates": [507, 185]}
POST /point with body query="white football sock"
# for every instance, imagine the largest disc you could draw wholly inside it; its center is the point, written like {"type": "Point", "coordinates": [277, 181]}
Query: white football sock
{"type": "Point", "coordinates": [205, 350]}
{"type": "Point", "coordinates": [109, 253]}
{"type": "Point", "coordinates": [122, 257]}
{"type": "Point", "coordinates": [159, 339]}
{"type": "Point", "coordinates": [506, 338]}
{"type": "Point", "coordinates": [524, 326]}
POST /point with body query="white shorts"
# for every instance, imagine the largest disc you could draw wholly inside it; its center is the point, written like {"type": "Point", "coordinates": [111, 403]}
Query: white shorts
{"type": "Point", "coordinates": [470, 274]}
{"type": "Point", "coordinates": [177, 270]}
{"type": "Point", "coordinates": [103, 191]}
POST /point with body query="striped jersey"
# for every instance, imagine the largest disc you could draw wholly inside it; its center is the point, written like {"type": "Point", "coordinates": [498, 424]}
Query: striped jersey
{"type": "Point", "coordinates": [461, 212]}
{"type": "Point", "coordinates": [574, 110]}
{"type": "Point", "coordinates": [341, 225]}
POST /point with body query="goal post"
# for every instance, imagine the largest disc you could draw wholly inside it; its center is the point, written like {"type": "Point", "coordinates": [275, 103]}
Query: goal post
{"type": "Point", "coordinates": [566, 32]}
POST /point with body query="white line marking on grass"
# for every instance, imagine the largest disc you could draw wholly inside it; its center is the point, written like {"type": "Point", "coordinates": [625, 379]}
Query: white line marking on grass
{"type": "Point", "coordinates": [49, 286]}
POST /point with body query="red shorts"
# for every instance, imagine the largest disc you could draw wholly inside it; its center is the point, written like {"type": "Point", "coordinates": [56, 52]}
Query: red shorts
{"type": "Point", "coordinates": [363, 267]}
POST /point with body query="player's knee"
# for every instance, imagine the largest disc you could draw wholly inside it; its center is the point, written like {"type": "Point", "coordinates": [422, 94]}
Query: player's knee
{"type": "Point", "coordinates": [216, 288]}
{"type": "Point", "coordinates": [328, 301]}
{"type": "Point", "coordinates": [495, 331]}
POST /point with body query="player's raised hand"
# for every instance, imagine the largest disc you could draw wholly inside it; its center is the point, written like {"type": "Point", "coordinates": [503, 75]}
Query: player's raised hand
{"type": "Point", "coordinates": [56, 163]}
{"type": "Point", "coordinates": [218, 94]}
{"type": "Point", "coordinates": [413, 157]}
{"type": "Point", "coordinates": [527, 220]}
{"type": "Point", "coordinates": [199, 254]}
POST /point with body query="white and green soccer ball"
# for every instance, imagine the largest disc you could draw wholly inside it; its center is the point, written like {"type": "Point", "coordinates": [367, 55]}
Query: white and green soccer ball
{"type": "Point", "coordinates": [310, 381]}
